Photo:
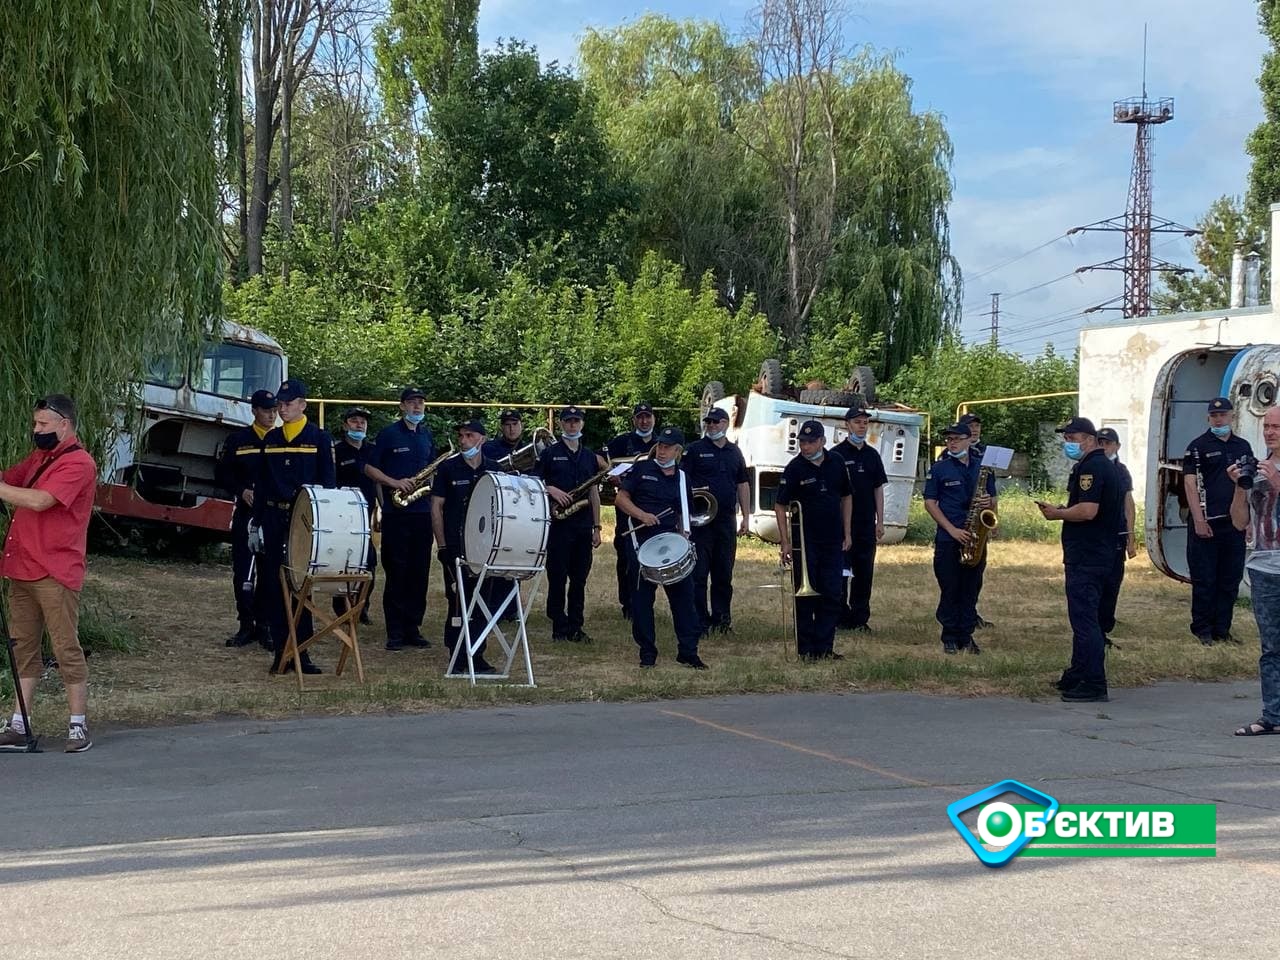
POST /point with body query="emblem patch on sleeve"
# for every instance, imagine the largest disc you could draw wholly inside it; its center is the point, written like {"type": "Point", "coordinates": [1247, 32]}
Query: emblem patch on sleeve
{"type": "Point", "coordinates": [1086, 481]}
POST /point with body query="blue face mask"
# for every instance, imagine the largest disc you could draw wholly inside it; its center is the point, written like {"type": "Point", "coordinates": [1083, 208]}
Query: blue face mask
{"type": "Point", "coordinates": [958, 454]}
{"type": "Point", "coordinates": [355, 434]}
{"type": "Point", "coordinates": [1072, 450]}
{"type": "Point", "coordinates": [858, 438]}
{"type": "Point", "coordinates": [666, 464]}
{"type": "Point", "coordinates": [645, 434]}
{"type": "Point", "coordinates": [816, 455]}
{"type": "Point", "coordinates": [415, 418]}
{"type": "Point", "coordinates": [566, 435]}
{"type": "Point", "coordinates": [1113, 457]}
{"type": "Point", "coordinates": [472, 453]}
{"type": "Point", "coordinates": [716, 435]}
{"type": "Point", "coordinates": [1222, 431]}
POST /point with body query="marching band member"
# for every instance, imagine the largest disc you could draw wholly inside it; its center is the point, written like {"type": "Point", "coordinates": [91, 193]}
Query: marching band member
{"type": "Point", "coordinates": [648, 489]}
{"type": "Point", "coordinates": [712, 461]}
{"type": "Point", "coordinates": [867, 480]}
{"type": "Point", "coordinates": [401, 450]}
{"type": "Point", "coordinates": [639, 439]}
{"type": "Point", "coordinates": [511, 425]}
{"type": "Point", "coordinates": [236, 472]}
{"type": "Point", "coordinates": [565, 465]}
{"type": "Point", "coordinates": [293, 454]}
{"type": "Point", "coordinates": [948, 493]}
{"type": "Point", "coordinates": [1126, 542]}
{"type": "Point", "coordinates": [451, 489]}
{"type": "Point", "coordinates": [820, 484]}
{"type": "Point", "coordinates": [1215, 549]}
{"type": "Point", "coordinates": [977, 450]}
{"type": "Point", "coordinates": [1093, 515]}
{"type": "Point", "coordinates": [350, 454]}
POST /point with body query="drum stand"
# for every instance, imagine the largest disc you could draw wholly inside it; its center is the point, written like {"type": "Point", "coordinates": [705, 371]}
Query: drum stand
{"type": "Point", "coordinates": [344, 626]}
{"type": "Point", "coordinates": [470, 645]}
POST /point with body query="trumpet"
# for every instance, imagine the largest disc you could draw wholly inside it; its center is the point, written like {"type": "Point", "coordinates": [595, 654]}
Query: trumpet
{"type": "Point", "coordinates": [790, 626]}
{"type": "Point", "coordinates": [523, 458]}
{"type": "Point", "coordinates": [421, 481]}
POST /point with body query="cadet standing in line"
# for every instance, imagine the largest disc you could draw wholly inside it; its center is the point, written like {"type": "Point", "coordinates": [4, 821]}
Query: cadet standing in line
{"type": "Point", "coordinates": [867, 481]}
{"type": "Point", "coordinates": [1126, 540]}
{"type": "Point", "coordinates": [350, 454]}
{"type": "Point", "coordinates": [637, 440]}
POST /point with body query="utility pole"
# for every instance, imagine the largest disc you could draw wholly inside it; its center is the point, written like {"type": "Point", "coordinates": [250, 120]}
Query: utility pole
{"type": "Point", "coordinates": [995, 319]}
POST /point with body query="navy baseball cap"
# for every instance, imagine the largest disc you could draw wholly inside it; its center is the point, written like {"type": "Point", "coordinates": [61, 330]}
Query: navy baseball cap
{"type": "Point", "coordinates": [958, 430]}
{"type": "Point", "coordinates": [357, 412]}
{"type": "Point", "coordinates": [475, 426]}
{"type": "Point", "coordinates": [510, 416]}
{"type": "Point", "coordinates": [970, 418]}
{"type": "Point", "coordinates": [1078, 425]}
{"type": "Point", "coordinates": [670, 435]}
{"type": "Point", "coordinates": [1108, 435]}
{"type": "Point", "coordinates": [571, 413]}
{"type": "Point", "coordinates": [811, 430]}
{"type": "Point", "coordinates": [1220, 405]}
{"type": "Point", "coordinates": [715, 415]}
{"type": "Point", "coordinates": [263, 400]}
{"type": "Point", "coordinates": [411, 393]}
{"type": "Point", "coordinates": [641, 408]}
{"type": "Point", "coordinates": [856, 412]}
{"type": "Point", "coordinates": [291, 390]}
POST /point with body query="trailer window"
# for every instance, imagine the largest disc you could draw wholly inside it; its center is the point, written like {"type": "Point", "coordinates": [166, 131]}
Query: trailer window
{"type": "Point", "coordinates": [233, 370]}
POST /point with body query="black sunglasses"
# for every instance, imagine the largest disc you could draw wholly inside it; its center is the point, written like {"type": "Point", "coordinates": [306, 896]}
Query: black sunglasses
{"type": "Point", "coordinates": [46, 405]}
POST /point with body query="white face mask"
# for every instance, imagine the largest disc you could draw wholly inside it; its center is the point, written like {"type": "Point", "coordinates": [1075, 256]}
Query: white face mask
{"type": "Point", "coordinates": [716, 434]}
{"type": "Point", "coordinates": [666, 464]}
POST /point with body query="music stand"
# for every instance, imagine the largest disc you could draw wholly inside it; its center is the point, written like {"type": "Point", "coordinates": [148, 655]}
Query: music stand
{"type": "Point", "coordinates": [492, 618]}
{"type": "Point", "coordinates": [344, 626]}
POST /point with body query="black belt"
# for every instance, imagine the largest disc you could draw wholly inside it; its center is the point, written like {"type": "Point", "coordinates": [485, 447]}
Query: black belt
{"type": "Point", "coordinates": [280, 504]}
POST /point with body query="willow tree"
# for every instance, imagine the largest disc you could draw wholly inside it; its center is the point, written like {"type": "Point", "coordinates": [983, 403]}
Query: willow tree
{"type": "Point", "coordinates": [108, 241]}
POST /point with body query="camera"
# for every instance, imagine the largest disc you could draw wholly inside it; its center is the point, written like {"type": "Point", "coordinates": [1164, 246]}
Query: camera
{"type": "Point", "coordinates": [1248, 469]}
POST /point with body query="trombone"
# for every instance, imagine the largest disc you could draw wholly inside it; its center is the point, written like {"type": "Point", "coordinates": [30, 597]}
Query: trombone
{"type": "Point", "coordinates": [522, 459]}
{"type": "Point", "coordinates": [791, 637]}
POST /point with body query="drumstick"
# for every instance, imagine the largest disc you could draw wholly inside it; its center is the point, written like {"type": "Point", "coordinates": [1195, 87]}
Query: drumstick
{"type": "Point", "coordinates": [637, 525]}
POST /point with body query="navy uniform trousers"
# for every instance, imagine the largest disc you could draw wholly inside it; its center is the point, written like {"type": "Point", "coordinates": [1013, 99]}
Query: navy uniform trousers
{"type": "Point", "coordinates": [1215, 565]}
{"type": "Point", "coordinates": [275, 536]}
{"type": "Point", "coordinates": [406, 561]}
{"type": "Point", "coordinates": [817, 617]}
{"type": "Point", "coordinates": [958, 587]}
{"type": "Point", "coordinates": [249, 609]}
{"type": "Point", "coordinates": [1111, 591]}
{"type": "Point", "coordinates": [1085, 585]}
{"type": "Point", "coordinates": [453, 618]}
{"type": "Point", "coordinates": [717, 546]}
{"type": "Point", "coordinates": [684, 616]}
{"type": "Point", "coordinates": [568, 566]}
{"type": "Point", "coordinates": [861, 561]}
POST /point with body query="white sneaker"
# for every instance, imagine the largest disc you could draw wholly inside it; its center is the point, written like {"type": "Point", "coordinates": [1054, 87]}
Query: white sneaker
{"type": "Point", "coordinates": [78, 738]}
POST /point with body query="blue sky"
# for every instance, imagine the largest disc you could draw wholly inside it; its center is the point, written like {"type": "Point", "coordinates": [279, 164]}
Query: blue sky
{"type": "Point", "coordinates": [1026, 89]}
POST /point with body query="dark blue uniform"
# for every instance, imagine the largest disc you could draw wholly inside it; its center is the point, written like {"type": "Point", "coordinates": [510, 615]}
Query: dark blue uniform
{"type": "Point", "coordinates": [952, 482]}
{"type": "Point", "coordinates": [1215, 564]}
{"type": "Point", "coordinates": [569, 540]}
{"type": "Point", "coordinates": [719, 468]}
{"type": "Point", "coordinates": [400, 452]}
{"type": "Point", "coordinates": [1111, 592]}
{"type": "Point", "coordinates": [1088, 557]}
{"type": "Point", "coordinates": [453, 483]}
{"type": "Point", "coordinates": [654, 490]}
{"type": "Point", "coordinates": [283, 469]}
{"type": "Point", "coordinates": [866, 476]}
{"type": "Point", "coordinates": [819, 488]}
{"type": "Point", "coordinates": [236, 472]}
{"type": "Point", "coordinates": [500, 447]}
{"type": "Point", "coordinates": [625, 445]}
{"type": "Point", "coordinates": [348, 462]}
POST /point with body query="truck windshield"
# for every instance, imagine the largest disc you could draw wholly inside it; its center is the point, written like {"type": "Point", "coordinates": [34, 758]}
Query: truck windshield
{"type": "Point", "coordinates": [234, 370]}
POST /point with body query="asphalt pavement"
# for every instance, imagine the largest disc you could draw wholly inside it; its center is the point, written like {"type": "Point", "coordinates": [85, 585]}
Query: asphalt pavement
{"type": "Point", "coordinates": [743, 827]}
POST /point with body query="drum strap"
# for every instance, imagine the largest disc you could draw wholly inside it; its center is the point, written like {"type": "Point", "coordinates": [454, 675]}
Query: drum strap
{"type": "Point", "coordinates": [684, 501]}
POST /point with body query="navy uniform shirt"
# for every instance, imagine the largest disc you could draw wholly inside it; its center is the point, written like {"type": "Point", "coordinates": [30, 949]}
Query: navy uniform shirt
{"type": "Point", "coordinates": [349, 461]}
{"type": "Point", "coordinates": [720, 469]}
{"type": "Point", "coordinates": [1215, 456]}
{"type": "Point", "coordinates": [237, 468]}
{"type": "Point", "coordinates": [866, 476]}
{"type": "Point", "coordinates": [818, 488]}
{"type": "Point", "coordinates": [453, 482]}
{"type": "Point", "coordinates": [952, 484]}
{"type": "Point", "coordinates": [653, 491]}
{"type": "Point", "coordinates": [629, 444]}
{"type": "Point", "coordinates": [977, 449]}
{"type": "Point", "coordinates": [500, 447]}
{"type": "Point", "coordinates": [1126, 486]}
{"type": "Point", "coordinates": [400, 452]}
{"type": "Point", "coordinates": [1093, 479]}
{"type": "Point", "coordinates": [561, 467]}
{"type": "Point", "coordinates": [286, 465]}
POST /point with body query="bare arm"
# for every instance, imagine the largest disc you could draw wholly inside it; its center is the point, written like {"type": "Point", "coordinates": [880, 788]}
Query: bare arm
{"type": "Point", "coordinates": [37, 500]}
{"type": "Point", "coordinates": [1131, 523]}
{"type": "Point", "coordinates": [846, 519]}
{"type": "Point", "coordinates": [744, 504]}
{"type": "Point", "coordinates": [437, 520]}
{"type": "Point", "coordinates": [931, 507]}
{"type": "Point", "coordinates": [1077, 514]}
{"type": "Point", "coordinates": [378, 476]}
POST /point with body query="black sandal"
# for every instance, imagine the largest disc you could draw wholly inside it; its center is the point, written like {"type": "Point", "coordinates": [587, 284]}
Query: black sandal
{"type": "Point", "coordinates": [1259, 728]}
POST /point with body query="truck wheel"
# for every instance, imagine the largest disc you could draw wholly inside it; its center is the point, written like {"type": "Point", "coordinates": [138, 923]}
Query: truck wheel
{"type": "Point", "coordinates": [770, 381]}
{"type": "Point", "coordinates": [863, 381]}
{"type": "Point", "coordinates": [712, 392]}
{"type": "Point", "coordinates": [830, 398]}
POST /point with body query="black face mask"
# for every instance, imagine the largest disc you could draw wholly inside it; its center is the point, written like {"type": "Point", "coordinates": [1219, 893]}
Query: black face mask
{"type": "Point", "coordinates": [44, 441]}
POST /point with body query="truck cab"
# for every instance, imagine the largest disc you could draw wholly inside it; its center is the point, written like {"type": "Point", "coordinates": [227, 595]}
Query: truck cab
{"type": "Point", "coordinates": [161, 467]}
{"type": "Point", "coordinates": [1248, 376]}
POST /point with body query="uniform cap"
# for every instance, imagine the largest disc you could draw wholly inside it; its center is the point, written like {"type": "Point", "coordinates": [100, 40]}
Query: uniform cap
{"type": "Point", "coordinates": [1220, 405]}
{"type": "Point", "coordinates": [811, 430]}
{"type": "Point", "coordinates": [475, 426]}
{"type": "Point", "coordinates": [970, 418]}
{"type": "Point", "coordinates": [1108, 435]}
{"type": "Point", "coordinates": [411, 393]}
{"type": "Point", "coordinates": [510, 416]}
{"type": "Point", "coordinates": [715, 415]}
{"type": "Point", "coordinates": [641, 408]}
{"type": "Point", "coordinates": [856, 412]}
{"type": "Point", "coordinates": [1078, 425]}
{"type": "Point", "coordinates": [263, 400]}
{"type": "Point", "coordinates": [291, 390]}
{"type": "Point", "coordinates": [571, 412]}
{"type": "Point", "coordinates": [671, 435]}
{"type": "Point", "coordinates": [958, 430]}
{"type": "Point", "coordinates": [357, 412]}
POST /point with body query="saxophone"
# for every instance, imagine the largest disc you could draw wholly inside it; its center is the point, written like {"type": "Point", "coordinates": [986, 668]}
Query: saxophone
{"type": "Point", "coordinates": [979, 522]}
{"type": "Point", "coordinates": [421, 481]}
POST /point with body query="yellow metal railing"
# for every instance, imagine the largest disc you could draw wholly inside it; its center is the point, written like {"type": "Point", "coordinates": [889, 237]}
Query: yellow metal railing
{"type": "Point", "coordinates": [963, 408]}
{"type": "Point", "coordinates": [321, 403]}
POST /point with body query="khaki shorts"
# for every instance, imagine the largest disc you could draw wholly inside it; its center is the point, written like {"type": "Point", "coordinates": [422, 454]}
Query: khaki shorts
{"type": "Point", "coordinates": [39, 605]}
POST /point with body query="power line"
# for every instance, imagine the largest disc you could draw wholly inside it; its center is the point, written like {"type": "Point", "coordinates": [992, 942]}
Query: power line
{"type": "Point", "coordinates": [1015, 259]}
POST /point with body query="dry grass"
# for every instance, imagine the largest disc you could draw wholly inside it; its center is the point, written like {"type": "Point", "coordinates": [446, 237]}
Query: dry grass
{"type": "Point", "coordinates": [183, 613]}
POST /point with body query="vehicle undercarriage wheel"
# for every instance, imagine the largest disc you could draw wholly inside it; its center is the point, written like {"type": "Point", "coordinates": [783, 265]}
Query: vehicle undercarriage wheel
{"type": "Point", "coordinates": [770, 381]}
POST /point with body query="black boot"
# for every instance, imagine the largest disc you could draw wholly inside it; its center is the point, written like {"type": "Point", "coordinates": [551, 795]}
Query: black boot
{"type": "Point", "coordinates": [243, 637]}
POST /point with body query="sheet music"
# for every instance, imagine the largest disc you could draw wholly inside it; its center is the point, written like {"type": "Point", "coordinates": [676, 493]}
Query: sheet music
{"type": "Point", "coordinates": [997, 457]}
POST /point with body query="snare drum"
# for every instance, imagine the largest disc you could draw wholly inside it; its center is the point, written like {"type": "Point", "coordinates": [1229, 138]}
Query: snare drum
{"type": "Point", "coordinates": [666, 558]}
{"type": "Point", "coordinates": [506, 527]}
{"type": "Point", "coordinates": [328, 534]}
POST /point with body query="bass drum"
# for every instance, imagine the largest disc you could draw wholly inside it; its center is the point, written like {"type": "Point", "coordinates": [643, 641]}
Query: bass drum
{"type": "Point", "coordinates": [667, 558]}
{"type": "Point", "coordinates": [328, 535]}
{"type": "Point", "coordinates": [507, 523]}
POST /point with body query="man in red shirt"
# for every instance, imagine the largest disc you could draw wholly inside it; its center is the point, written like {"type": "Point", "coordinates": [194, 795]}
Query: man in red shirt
{"type": "Point", "coordinates": [50, 494]}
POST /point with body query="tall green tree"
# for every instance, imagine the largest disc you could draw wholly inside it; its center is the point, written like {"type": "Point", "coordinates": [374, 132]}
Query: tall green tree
{"type": "Point", "coordinates": [1226, 223]}
{"type": "Point", "coordinates": [108, 178]}
{"type": "Point", "coordinates": [425, 49]}
{"type": "Point", "coordinates": [1264, 143]}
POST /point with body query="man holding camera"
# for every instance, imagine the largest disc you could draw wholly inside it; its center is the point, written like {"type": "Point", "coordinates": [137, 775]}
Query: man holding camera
{"type": "Point", "coordinates": [1215, 548]}
{"type": "Point", "coordinates": [51, 493]}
